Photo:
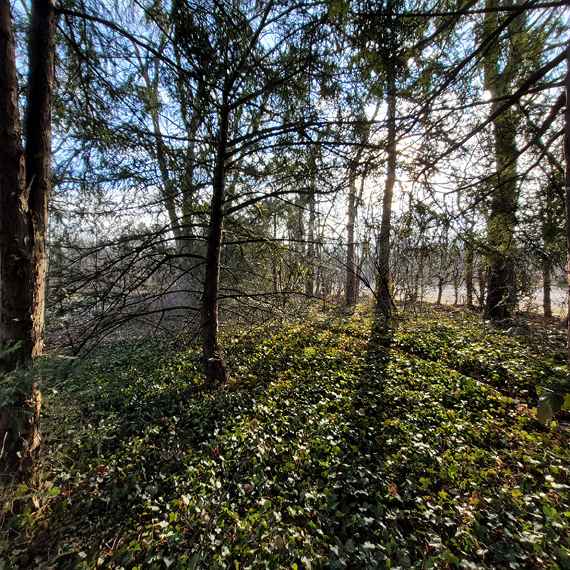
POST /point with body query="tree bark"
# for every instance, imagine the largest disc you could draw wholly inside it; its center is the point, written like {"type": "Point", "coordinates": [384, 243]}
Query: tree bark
{"type": "Point", "coordinates": [350, 289]}
{"type": "Point", "coordinates": [384, 302]}
{"type": "Point", "coordinates": [274, 270]}
{"type": "Point", "coordinates": [310, 278]}
{"type": "Point", "coordinates": [482, 280]}
{"type": "Point", "coordinates": [19, 419]}
{"type": "Point", "coordinates": [213, 361]}
{"type": "Point", "coordinates": [439, 290]}
{"type": "Point", "coordinates": [549, 229]}
{"type": "Point", "coordinates": [501, 283]}
{"type": "Point", "coordinates": [16, 279]}
{"type": "Point", "coordinates": [352, 280]}
{"type": "Point", "coordinates": [38, 152]}
{"type": "Point", "coordinates": [567, 183]}
{"type": "Point", "coordinates": [546, 288]}
{"type": "Point", "coordinates": [469, 257]}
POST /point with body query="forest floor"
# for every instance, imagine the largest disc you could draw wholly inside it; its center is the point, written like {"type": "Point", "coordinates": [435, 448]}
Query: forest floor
{"type": "Point", "coordinates": [331, 447]}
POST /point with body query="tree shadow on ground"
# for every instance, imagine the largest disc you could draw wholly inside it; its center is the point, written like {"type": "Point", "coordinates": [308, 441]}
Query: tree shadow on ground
{"type": "Point", "coordinates": [360, 521]}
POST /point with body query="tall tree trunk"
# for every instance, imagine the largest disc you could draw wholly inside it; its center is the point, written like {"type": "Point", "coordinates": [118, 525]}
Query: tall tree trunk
{"type": "Point", "coordinates": [160, 149]}
{"type": "Point", "coordinates": [482, 280]}
{"type": "Point", "coordinates": [297, 242]}
{"type": "Point", "coordinates": [567, 181]}
{"type": "Point", "coordinates": [384, 301]}
{"type": "Point", "coordinates": [359, 270]}
{"type": "Point", "coordinates": [213, 361]}
{"type": "Point", "coordinates": [549, 229]}
{"type": "Point", "coordinates": [38, 151]}
{"type": "Point", "coordinates": [350, 292]}
{"type": "Point", "coordinates": [170, 189]}
{"type": "Point", "coordinates": [319, 269]}
{"type": "Point", "coordinates": [421, 276]}
{"type": "Point", "coordinates": [439, 290]}
{"type": "Point", "coordinates": [546, 287]}
{"type": "Point", "coordinates": [310, 278]}
{"type": "Point", "coordinates": [501, 284]}
{"type": "Point", "coordinates": [16, 279]}
{"type": "Point", "coordinates": [274, 271]}
{"type": "Point", "coordinates": [19, 419]}
{"type": "Point", "coordinates": [352, 280]}
{"type": "Point", "coordinates": [443, 269]}
{"type": "Point", "coordinates": [469, 257]}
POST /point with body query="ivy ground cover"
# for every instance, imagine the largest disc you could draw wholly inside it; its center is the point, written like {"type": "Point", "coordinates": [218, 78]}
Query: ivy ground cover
{"type": "Point", "coordinates": [332, 447]}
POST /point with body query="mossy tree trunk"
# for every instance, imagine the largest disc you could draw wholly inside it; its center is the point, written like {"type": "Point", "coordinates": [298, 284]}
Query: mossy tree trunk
{"type": "Point", "coordinates": [501, 283]}
{"type": "Point", "coordinates": [500, 66]}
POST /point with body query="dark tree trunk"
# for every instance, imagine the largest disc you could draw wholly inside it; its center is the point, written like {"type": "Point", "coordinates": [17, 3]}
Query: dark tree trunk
{"type": "Point", "coordinates": [213, 361]}
{"type": "Point", "coordinates": [482, 279]}
{"type": "Point", "coordinates": [16, 279]}
{"type": "Point", "coordinates": [310, 279]}
{"type": "Point", "coordinates": [38, 151]}
{"type": "Point", "coordinates": [274, 271]}
{"type": "Point", "coordinates": [420, 277]}
{"type": "Point", "coordinates": [546, 287]}
{"type": "Point", "coordinates": [469, 257]}
{"type": "Point", "coordinates": [319, 268]}
{"type": "Point", "coordinates": [384, 302]}
{"type": "Point", "coordinates": [350, 292]}
{"type": "Point", "coordinates": [567, 180]}
{"type": "Point", "coordinates": [439, 291]}
{"type": "Point", "coordinates": [19, 419]}
{"type": "Point", "coordinates": [359, 271]}
{"type": "Point", "coordinates": [549, 234]}
{"type": "Point", "coordinates": [416, 284]}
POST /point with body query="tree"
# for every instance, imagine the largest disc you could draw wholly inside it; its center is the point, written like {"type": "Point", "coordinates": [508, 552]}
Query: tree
{"type": "Point", "coordinates": [567, 181]}
{"type": "Point", "coordinates": [16, 279]}
{"type": "Point", "coordinates": [24, 191]}
{"type": "Point", "coordinates": [384, 302]}
{"type": "Point", "coordinates": [355, 169]}
{"type": "Point", "coordinates": [390, 48]}
{"type": "Point", "coordinates": [248, 71]}
{"type": "Point", "coordinates": [38, 151]}
{"type": "Point", "coordinates": [504, 63]}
